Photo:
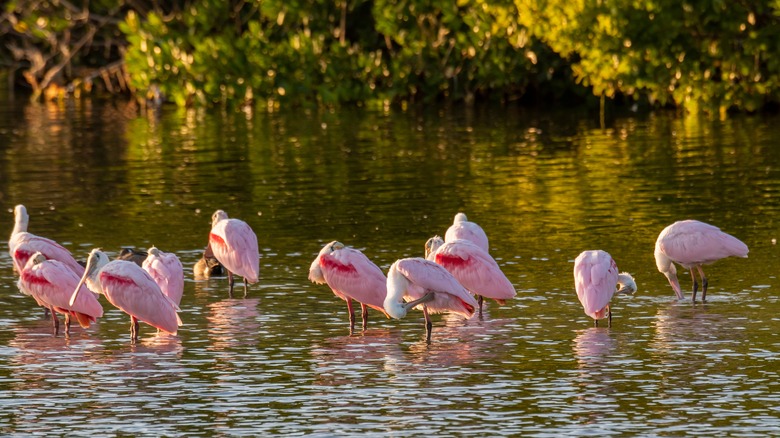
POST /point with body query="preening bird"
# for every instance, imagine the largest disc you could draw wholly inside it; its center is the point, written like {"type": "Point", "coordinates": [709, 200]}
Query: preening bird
{"type": "Point", "coordinates": [235, 247]}
{"type": "Point", "coordinates": [692, 244]}
{"type": "Point", "coordinates": [473, 267]}
{"type": "Point", "coordinates": [22, 245]}
{"type": "Point", "coordinates": [595, 279]}
{"type": "Point", "coordinates": [351, 276]}
{"type": "Point", "coordinates": [166, 270]}
{"type": "Point", "coordinates": [423, 282]}
{"type": "Point", "coordinates": [51, 283]}
{"type": "Point", "coordinates": [130, 289]}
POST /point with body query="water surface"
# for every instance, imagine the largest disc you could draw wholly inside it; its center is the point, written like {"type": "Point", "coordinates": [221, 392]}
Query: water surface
{"type": "Point", "coordinates": [544, 185]}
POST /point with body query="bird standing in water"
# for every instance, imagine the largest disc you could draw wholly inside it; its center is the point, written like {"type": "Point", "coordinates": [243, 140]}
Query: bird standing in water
{"type": "Point", "coordinates": [462, 228]}
{"type": "Point", "coordinates": [351, 276]}
{"type": "Point", "coordinates": [235, 246]}
{"type": "Point", "coordinates": [595, 278]}
{"type": "Point", "coordinates": [692, 244]}
{"type": "Point", "coordinates": [130, 289]}
{"type": "Point", "coordinates": [427, 283]}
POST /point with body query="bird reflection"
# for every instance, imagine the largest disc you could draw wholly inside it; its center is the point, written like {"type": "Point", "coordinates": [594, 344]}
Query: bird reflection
{"type": "Point", "coordinates": [232, 323]}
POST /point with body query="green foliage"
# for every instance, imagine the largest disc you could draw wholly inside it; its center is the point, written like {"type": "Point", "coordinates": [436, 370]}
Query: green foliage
{"type": "Point", "coordinates": [699, 54]}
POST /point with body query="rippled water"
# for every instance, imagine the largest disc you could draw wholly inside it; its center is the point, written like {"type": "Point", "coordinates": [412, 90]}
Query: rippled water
{"type": "Point", "coordinates": [545, 186]}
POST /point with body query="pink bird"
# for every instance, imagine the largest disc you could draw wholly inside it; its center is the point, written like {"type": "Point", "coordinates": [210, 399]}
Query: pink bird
{"type": "Point", "coordinates": [461, 228]}
{"type": "Point", "coordinates": [351, 276]}
{"type": "Point", "coordinates": [22, 245]}
{"type": "Point", "coordinates": [50, 282]}
{"type": "Point", "coordinates": [235, 247]}
{"type": "Point", "coordinates": [692, 244]}
{"type": "Point", "coordinates": [473, 267]}
{"type": "Point", "coordinates": [166, 270]}
{"type": "Point", "coordinates": [425, 282]}
{"type": "Point", "coordinates": [595, 277]}
{"type": "Point", "coordinates": [131, 290]}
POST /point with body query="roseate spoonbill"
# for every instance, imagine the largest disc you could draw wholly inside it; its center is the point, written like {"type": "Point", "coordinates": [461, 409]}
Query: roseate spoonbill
{"type": "Point", "coordinates": [208, 266]}
{"type": "Point", "coordinates": [50, 282]}
{"type": "Point", "coordinates": [461, 228]}
{"type": "Point", "coordinates": [166, 270]}
{"type": "Point", "coordinates": [595, 277]}
{"type": "Point", "coordinates": [351, 276]}
{"type": "Point", "coordinates": [427, 283]}
{"type": "Point", "coordinates": [22, 245]}
{"type": "Point", "coordinates": [235, 246]}
{"type": "Point", "coordinates": [131, 290]}
{"type": "Point", "coordinates": [473, 267]}
{"type": "Point", "coordinates": [691, 244]}
{"type": "Point", "coordinates": [136, 256]}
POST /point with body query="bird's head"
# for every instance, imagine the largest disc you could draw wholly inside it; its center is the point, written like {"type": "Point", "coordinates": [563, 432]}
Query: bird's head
{"type": "Point", "coordinates": [218, 216]}
{"type": "Point", "coordinates": [432, 245]}
{"type": "Point", "coordinates": [627, 284]}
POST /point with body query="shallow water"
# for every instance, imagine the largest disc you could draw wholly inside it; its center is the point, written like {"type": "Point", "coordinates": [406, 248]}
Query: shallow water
{"type": "Point", "coordinates": [544, 185]}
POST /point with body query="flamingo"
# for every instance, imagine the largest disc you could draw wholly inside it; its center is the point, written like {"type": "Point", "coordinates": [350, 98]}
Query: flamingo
{"type": "Point", "coordinates": [691, 244]}
{"type": "Point", "coordinates": [461, 228]}
{"type": "Point", "coordinates": [166, 270]}
{"type": "Point", "coordinates": [473, 267]}
{"type": "Point", "coordinates": [595, 277]}
{"type": "Point", "coordinates": [208, 266]}
{"type": "Point", "coordinates": [50, 282]}
{"type": "Point", "coordinates": [22, 245]}
{"type": "Point", "coordinates": [351, 276]}
{"type": "Point", "coordinates": [131, 290]}
{"type": "Point", "coordinates": [136, 256]}
{"type": "Point", "coordinates": [427, 283]}
{"type": "Point", "coordinates": [235, 247]}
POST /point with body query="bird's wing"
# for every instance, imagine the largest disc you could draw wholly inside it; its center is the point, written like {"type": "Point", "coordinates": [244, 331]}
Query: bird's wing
{"type": "Point", "coordinates": [28, 244]}
{"type": "Point", "coordinates": [475, 269]}
{"type": "Point", "coordinates": [692, 243]}
{"type": "Point", "coordinates": [351, 274]}
{"type": "Point", "coordinates": [53, 283]}
{"type": "Point", "coordinates": [167, 271]}
{"type": "Point", "coordinates": [449, 294]}
{"type": "Point", "coordinates": [133, 291]}
{"type": "Point", "coordinates": [235, 246]}
{"type": "Point", "coordinates": [595, 279]}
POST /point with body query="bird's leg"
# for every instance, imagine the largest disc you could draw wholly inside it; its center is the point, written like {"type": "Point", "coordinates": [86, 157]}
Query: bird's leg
{"type": "Point", "coordinates": [695, 286]}
{"type": "Point", "coordinates": [609, 317]}
{"type": "Point", "coordinates": [595, 323]}
{"type": "Point", "coordinates": [479, 300]}
{"type": "Point", "coordinates": [364, 310]}
{"type": "Point", "coordinates": [703, 284]}
{"type": "Point", "coordinates": [133, 329]}
{"type": "Point", "coordinates": [246, 287]}
{"type": "Point", "coordinates": [351, 316]}
{"type": "Point", "coordinates": [45, 312]}
{"type": "Point", "coordinates": [55, 322]}
{"type": "Point", "coordinates": [67, 325]}
{"type": "Point", "coordinates": [230, 283]}
{"type": "Point", "coordinates": [428, 324]}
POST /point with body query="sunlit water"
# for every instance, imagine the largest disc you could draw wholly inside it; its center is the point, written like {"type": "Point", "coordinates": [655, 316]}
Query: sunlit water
{"type": "Point", "coordinates": [545, 186]}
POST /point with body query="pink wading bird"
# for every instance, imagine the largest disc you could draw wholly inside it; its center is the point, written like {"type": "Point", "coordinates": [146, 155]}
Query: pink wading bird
{"type": "Point", "coordinates": [50, 282]}
{"type": "Point", "coordinates": [22, 245]}
{"type": "Point", "coordinates": [166, 270]}
{"type": "Point", "coordinates": [595, 277]}
{"type": "Point", "coordinates": [131, 290]}
{"type": "Point", "coordinates": [461, 228]}
{"type": "Point", "coordinates": [692, 244]}
{"type": "Point", "coordinates": [424, 282]}
{"type": "Point", "coordinates": [235, 246]}
{"type": "Point", "coordinates": [351, 276]}
{"type": "Point", "coordinates": [473, 267]}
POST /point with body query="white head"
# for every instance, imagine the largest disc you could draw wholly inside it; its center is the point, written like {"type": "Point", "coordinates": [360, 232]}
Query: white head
{"type": "Point", "coordinates": [460, 217]}
{"type": "Point", "coordinates": [153, 251]}
{"type": "Point", "coordinates": [397, 284]}
{"type": "Point", "coordinates": [315, 271]}
{"type": "Point", "coordinates": [35, 259]}
{"type": "Point", "coordinates": [666, 267]}
{"type": "Point", "coordinates": [432, 245]}
{"type": "Point", "coordinates": [218, 216]}
{"type": "Point", "coordinates": [627, 284]}
{"type": "Point", "coordinates": [95, 262]}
